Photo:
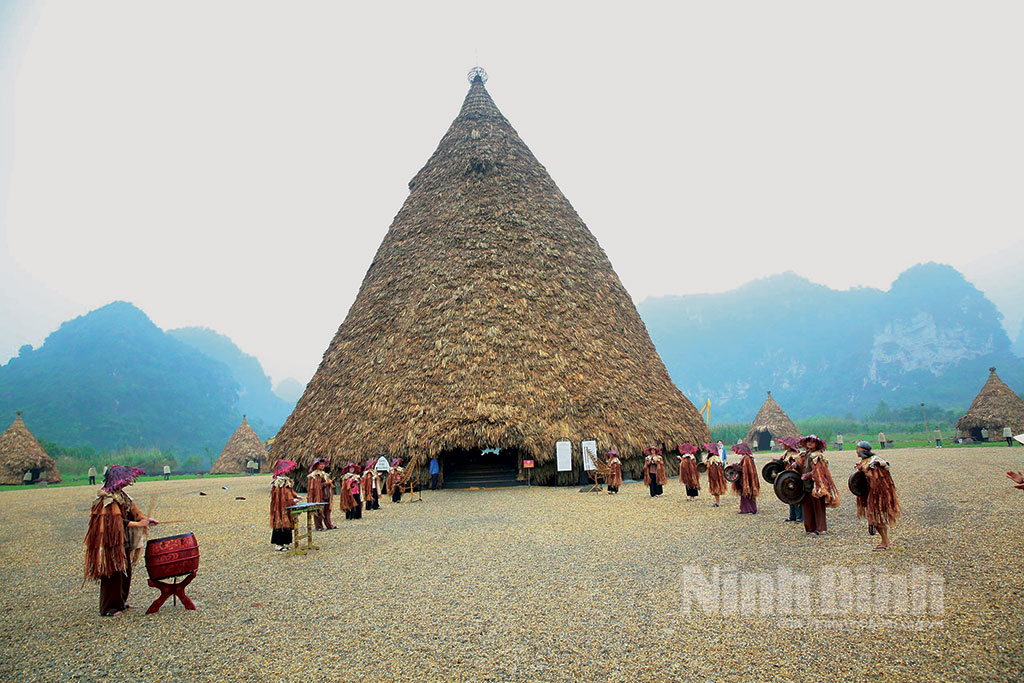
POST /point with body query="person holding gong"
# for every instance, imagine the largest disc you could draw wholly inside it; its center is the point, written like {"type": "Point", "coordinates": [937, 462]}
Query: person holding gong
{"type": "Point", "coordinates": [880, 506]}
{"type": "Point", "coordinates": [824, 494]}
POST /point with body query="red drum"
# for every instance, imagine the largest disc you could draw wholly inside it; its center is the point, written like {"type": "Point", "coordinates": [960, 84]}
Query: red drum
{"type": "Point", "coordinates": [172, 556]}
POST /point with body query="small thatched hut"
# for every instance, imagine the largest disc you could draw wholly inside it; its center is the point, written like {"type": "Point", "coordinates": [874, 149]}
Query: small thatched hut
{"type": "Point", "coordinates": [242, 447]}
{"type": "Point", "coordinates": [21, 453]}
{"type": "Point", "coordinates": [771, 423]}
{"type": "Point", "coordinates": [489, 326]}
{"type": "Point", "coordinates": [995, 407]}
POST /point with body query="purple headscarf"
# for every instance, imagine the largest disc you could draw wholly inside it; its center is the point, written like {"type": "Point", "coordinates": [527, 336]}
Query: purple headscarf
{"type": "Point", "coordinates": [119, 476]}
{"type": "Point", "coordinates": [284, 467]}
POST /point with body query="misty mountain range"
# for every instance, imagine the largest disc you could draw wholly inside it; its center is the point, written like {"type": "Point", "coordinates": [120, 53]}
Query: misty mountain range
{"type": "Point", "coordinates": [930, 338]}
{"type": "Point", "coordinates": [112, 378]}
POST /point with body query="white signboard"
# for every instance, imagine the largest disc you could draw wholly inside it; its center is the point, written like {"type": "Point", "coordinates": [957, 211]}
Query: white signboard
{"type": "Point", "coordinates": [563, 455]}
{"type": "Point", "coordinates": [382, 464]}
{"type": "Point", "coordinates": [589, 449]}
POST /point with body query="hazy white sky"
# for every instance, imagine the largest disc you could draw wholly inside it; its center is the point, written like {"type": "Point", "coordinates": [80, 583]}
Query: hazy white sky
{"type": "Point", "coordinates": [236, 164]}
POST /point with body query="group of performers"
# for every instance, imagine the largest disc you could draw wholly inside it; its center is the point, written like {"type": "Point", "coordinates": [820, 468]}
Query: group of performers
{"type": "Point", "coordinates": [360, 488]}
{"type": "Point", "coordinates": [116, 524]}
{"type": "Point", "coordinates": [806, 456]}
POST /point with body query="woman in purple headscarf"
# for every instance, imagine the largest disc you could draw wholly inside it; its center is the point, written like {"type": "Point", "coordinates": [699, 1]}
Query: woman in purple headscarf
{"type": "Point", "coordinates": [282, 496]}
{"type": "Point", "coordinates": [320, 489]}
{"type": "Point", "coordinates": [747, 486]}
{"type": "Point", "coordinates": [107, 543]}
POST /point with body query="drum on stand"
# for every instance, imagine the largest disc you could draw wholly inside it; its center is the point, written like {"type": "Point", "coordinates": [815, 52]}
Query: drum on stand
{"type": "Point", "coordinates": [171, 557]}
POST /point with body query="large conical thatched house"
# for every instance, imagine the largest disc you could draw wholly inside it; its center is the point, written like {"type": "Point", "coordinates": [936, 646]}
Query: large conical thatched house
{"type": "Point", "coordinates": [995, 407]}
{"type": "Point", "coordinates": [490, 318]}
{"type": "Point", "coordinates": [242, 447]}
{"type": "Point", "coordinates": [771, 423]}
{"type": "Point", "coordinates": [21, 453]}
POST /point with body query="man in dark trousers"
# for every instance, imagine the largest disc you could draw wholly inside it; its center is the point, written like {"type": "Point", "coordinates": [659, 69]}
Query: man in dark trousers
{"type": "Point", "coordinates": [435, 470]}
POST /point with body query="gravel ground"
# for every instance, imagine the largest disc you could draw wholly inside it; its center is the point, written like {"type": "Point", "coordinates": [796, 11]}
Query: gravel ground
{"type": "Point", "coordinates": [532, 584]}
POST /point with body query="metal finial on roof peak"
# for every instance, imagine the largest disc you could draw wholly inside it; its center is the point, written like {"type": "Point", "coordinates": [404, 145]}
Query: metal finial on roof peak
{"type": "Point", "coordinates": [475, 73]}
{"type": "Point", "coordinates": [18, 413]}
{"type": "Point", "coordinates": [992, 369]}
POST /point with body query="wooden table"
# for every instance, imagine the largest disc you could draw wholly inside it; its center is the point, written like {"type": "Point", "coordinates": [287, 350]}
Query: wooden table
{"type": "Point", "coordinates": [295, 510]}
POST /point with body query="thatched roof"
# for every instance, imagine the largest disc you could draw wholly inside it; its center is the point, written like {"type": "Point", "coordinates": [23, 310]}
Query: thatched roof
{"type": "Point", "coordinates": [995, 407]}
{"type": "Point", "coordinates": [490, 316]}
{"type": "Point", "coordinates": [772, 419]}
{"type": "Point", "coordinates": [242, 447]}
{"type": "Point", "coordinates": [20, 452]}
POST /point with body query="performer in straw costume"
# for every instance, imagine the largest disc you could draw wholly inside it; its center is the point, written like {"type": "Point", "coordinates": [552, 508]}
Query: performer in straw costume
{"type": "Point", "coordinates": [371, 487]}
{"type": "Point", "coordinates": [320, 489]}
{"type": "Point", "coordinates": [654, 470]}
{"type": "Point", "coordinates": [791, 459]}
{"type": "Point", "coordinates": [717, 484]}
{"type": "Point", "coordinates": [614, 479]}
{"type": "Point", "coordinates": [824, 495]}
{"type": "Point", "coordinates": [107, 543]}
{"type": "Point", "coordinates": [689, 476]}
{"type": "Point", "coordinates": [880, 507]}
{"type": "Point", "coordinates": [282, 495]}
{"type": "Point", "coordinates": [355, 479]}
{"type": "Point", "coordinates": [747, 487]}
{"type": "Point", "coordinates": [394, 480]}
{"type": "Point", "coordinates": [346, 501]}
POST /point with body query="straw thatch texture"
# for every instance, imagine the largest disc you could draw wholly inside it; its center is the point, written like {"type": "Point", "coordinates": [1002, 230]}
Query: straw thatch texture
{"type": "Point", "coordinates": [995, 407]}
{"type": "Point", "coordinates": [20, 452]}
{"type": "Point", "coordinates": [242, 447]}
{"type": "Point", "coordinates": [490, 317]}
{"type": "Point", "coordinates": [771, 418]}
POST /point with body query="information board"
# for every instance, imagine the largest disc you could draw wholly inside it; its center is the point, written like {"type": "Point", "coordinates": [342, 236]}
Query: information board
{"type": "Point", "coordinates": [589, 449]}
{"type": "Point", "coordinates": [563, 455]}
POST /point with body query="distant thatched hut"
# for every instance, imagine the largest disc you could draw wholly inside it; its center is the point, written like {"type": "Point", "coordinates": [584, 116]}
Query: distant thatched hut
{"type": "Point", "coordinates": [995, 407]}
{"type": "Point", "coordinates": [771, 423]}
{"type": "Point", "coordinates": [490, 318]}
{"type": "Point", "coordinates": [21, 453]}
{"type": "Point", "coordinates": [242, 447]}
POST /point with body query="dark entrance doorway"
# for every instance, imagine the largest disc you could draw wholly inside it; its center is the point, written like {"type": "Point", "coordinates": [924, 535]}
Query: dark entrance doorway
{"type": "Point", "coordinates": [478, 468]}
{"type": "Point", "coordinates": [764, 441]}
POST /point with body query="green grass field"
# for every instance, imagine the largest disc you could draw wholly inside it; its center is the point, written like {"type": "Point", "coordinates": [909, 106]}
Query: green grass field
{"type": "Point", "coordinates": [84, 480]}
